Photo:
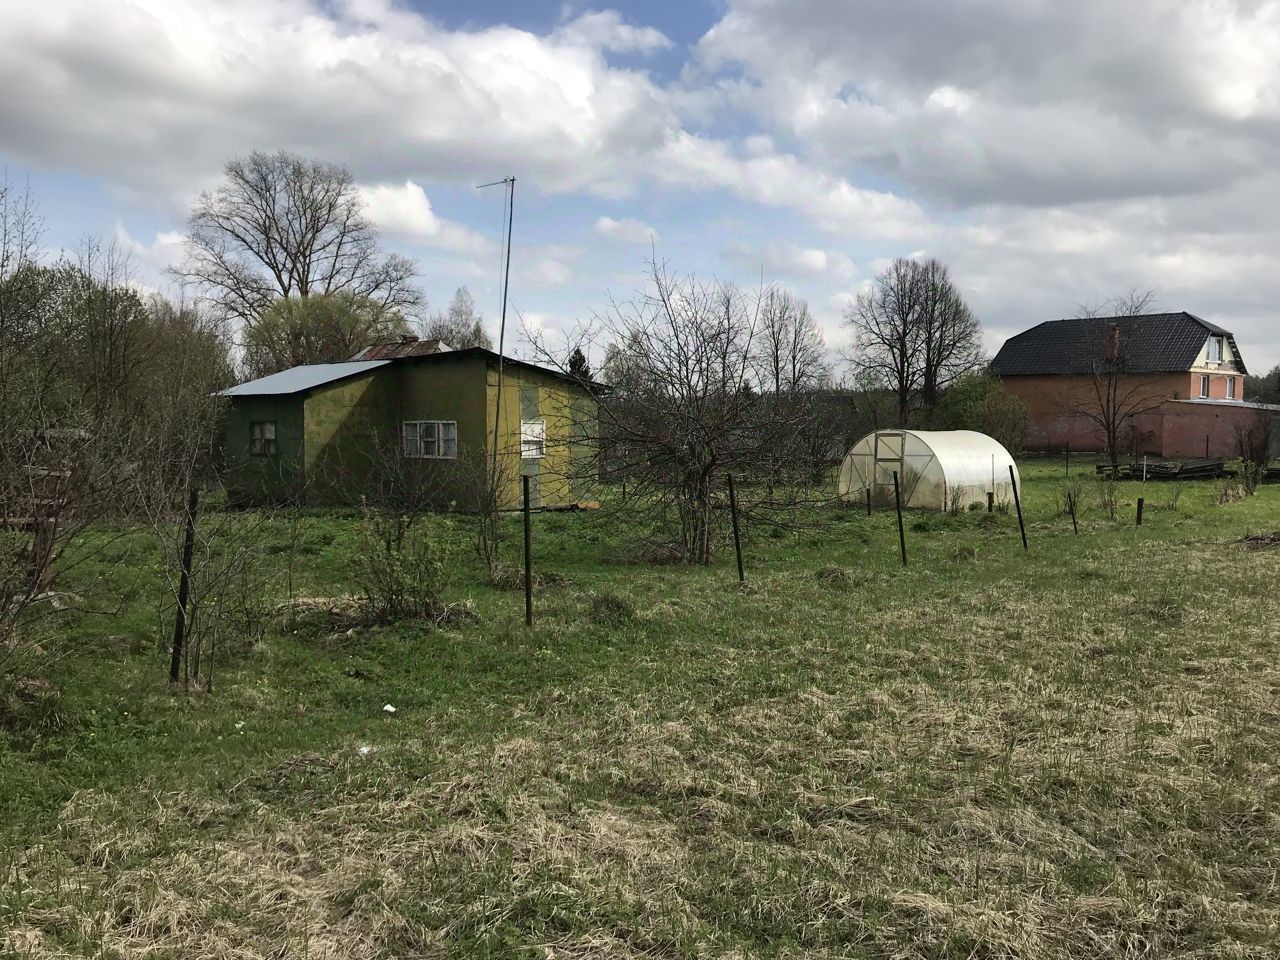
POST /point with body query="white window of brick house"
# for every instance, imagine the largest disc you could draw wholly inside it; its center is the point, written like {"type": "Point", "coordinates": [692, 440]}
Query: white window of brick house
{"type": "Point", "coordinates": [533, 439]}
{"type": "Point", "coordinates": [1215, 349]}
{"type": "Point", "coordinates": [1204, 385]}
{"type": "Point", "coordinates": [1231, 388]}
{"type": "Point", "coordinates": [429, 439]}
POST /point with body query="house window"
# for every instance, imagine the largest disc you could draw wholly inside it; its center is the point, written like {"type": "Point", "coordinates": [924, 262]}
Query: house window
{"type": "Point", "coordinates": [533, 439]}
{"type": "Point", "coordinates": [1215, 349]}
{"type": "Point", "coordinates": [262, 438]}
{"type": "Point", "coordinates": [1231, 388]}
{"type": "Point", "coordinates": [1204, 385]}
{"type": "Point", "coordinates": [430, 439]}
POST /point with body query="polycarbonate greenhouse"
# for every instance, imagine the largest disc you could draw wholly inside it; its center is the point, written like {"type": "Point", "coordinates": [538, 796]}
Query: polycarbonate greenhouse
{"type": "Point", "coordinates": [937, 469]}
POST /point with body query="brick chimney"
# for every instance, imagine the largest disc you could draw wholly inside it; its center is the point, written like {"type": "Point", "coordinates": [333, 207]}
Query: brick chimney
{"type": "Point", "coordinates": [1113, 342]}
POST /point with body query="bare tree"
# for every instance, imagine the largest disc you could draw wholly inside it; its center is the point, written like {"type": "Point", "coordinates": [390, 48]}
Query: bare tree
{"type": "Point", "coordinates": [913, 333]}
{"type": "Point", "coordinates": [460, 326]}
{"type": "Point", "coordinates": [950, 335]}
{"type": "Point", "coordinates": [684, 407]}
{"type": "Point", "coordinates": [789, 348]}
{"type": "Point", "coordinates": [1118, 389]}
{"type": "Point", "coordinates": [284, 226]}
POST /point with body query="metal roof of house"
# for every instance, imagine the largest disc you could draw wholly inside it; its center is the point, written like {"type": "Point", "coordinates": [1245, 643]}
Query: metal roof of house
{"type": "Point", "coordinates": [1153, 343]}
{"type": "Point", "coordinates": [303, 378]}
{"type": "Point", "coordinates": [398, 349]}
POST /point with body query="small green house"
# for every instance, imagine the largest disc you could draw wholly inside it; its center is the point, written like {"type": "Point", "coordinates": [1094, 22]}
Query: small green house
{"type": "Point", "coordinates": [330, 433]}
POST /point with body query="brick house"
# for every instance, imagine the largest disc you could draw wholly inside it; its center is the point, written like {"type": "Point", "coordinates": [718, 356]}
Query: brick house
{"type": "Point", "coordinates": [1174, 384]}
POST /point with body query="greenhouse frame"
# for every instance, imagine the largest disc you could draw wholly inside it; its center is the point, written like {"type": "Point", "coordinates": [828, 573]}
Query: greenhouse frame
{"type": "Point", "coordinates": [937, 469]}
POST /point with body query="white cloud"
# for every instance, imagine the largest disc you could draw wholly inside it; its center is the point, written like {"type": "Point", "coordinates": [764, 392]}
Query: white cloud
{"type": "Point", "coordinates": [627, 230]}
{"type": "Point", "coordinates": [406, 210]}
{"type": "Point", "coordinates": [782, 258]}
{"type": "Point", "coordinates": [365, 83]}
{"type": "Point", "coordinates": [606, 30]}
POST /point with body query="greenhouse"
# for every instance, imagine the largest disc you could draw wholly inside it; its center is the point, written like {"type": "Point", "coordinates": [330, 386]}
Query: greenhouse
{"type": "Point", "coordinates": [937, 469]}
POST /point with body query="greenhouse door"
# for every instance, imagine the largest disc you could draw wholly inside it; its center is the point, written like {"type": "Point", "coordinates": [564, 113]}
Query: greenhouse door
{"type": "Point", "coordinates": [888, 456]}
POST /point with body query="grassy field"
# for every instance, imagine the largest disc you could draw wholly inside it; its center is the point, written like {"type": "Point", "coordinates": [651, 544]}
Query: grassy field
{"type": "Point", "coordinates": [1065, 752]}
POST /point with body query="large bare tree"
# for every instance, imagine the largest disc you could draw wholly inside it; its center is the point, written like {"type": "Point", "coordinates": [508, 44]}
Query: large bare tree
{"type": "Point", "coordinates": [789, 349]}
{"type": "Point", "coordinates": [913, 333]}
{"type": "Point", "coordinates": [281, 225]}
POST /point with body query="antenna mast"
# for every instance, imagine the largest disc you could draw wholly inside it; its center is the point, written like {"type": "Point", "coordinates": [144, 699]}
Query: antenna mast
{"type": "Point", "coordinates": [510, 183]}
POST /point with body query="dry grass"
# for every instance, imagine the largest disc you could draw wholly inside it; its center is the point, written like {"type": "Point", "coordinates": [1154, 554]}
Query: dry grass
{"type": "Point", "coordinates": [1080, 768]}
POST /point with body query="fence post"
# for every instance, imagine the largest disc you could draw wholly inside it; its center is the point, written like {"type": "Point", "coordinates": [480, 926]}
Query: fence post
{"type": "Point", "coordinates": [1141, 502]}
{"type": "Point", "coordinates": [991, 502]}
{"type": "Point", "coordinates": [1071, 505]}
{"type": "Point", "coordinates": [528, 555]}
{"type": "Point", "coordinates": [184, 583]}
{"type": "Point", "coordinates": [868, 500]}
{"type": "Point", "coordinates": [1017, 502]}
{"type": "Point", "coordinates": [902, 535]}
{"type": "Point", "coordinates": [737, 539]}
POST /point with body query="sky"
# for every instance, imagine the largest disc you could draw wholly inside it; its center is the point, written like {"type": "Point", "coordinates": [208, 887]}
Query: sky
{"type": "Point", "coordinates": [1052, 154]}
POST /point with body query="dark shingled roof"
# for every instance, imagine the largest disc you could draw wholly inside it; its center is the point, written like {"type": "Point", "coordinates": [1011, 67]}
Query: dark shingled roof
{"type": "Point", "coordinates": [1152, 343]}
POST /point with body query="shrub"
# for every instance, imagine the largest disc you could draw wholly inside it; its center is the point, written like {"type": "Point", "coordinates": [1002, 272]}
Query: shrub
{"type": "Point", "coordinates": [1108, 495]}
{"type": "Point", "coordinates": [398, 568]}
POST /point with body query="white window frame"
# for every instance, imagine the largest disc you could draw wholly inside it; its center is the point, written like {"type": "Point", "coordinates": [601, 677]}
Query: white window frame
{"type": "Point", "coordinates": [443, 435]}
{"type": "Point", "coordinates": [1217, 344]}
{"type": "Point", "coordinates": [533, 439]}
{"type": "Point", "coordinates": [1231, 388]}
{"type": "Point", "coordinates": [1204, 386]}
{"type": "Point", "coordinates": [262, 438]}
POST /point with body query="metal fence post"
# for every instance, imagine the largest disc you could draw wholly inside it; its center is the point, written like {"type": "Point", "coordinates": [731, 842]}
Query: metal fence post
{"type": "Point", "coordinates": [737, 539]}
{"type": "Point", "coordinates": [902, 534]}
{"type": "Point", "coordinates": [1017, 502]}
{"type": "Point", "coordinates": [528, 555]}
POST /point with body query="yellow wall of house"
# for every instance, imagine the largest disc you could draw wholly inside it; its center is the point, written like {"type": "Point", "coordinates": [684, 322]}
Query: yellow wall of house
{"type": "Point", "coordinates": [555, 479]}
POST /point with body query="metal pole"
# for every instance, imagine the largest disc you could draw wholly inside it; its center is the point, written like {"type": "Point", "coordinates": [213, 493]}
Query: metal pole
{"type": "Point", "coordinates": [1068, 473]}
{"type": "Point", "coordinates": [1141, 502]}
{"type": "Point", "coordinates": [1071, 505]}
{"type": "Point", "coordinates": [737, 540]}
{"type": "Point", "coordinates": [1017, 502]}
{"type": "Point", "coordinates": [868, 500]}
{"type": "Point", "coordinates": [902, 534]}
{"type": "Point", "coordinates": [528, 555]}
{"type": "Point", "coordinates": [502, 326]}
{"type": "Point", "coordinates": [184, 583]}
{"type": "Point", "coordinates": [991, 502]}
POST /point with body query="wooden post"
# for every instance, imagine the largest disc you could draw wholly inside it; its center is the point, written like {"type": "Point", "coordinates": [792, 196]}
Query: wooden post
{"type": "Point", "coordinates": [1017, 502]}
{"type": "Point", "coordinates": [991, 502]}
{"type": "Point", "coordinates": [737, 539]}
{"type": "Point", "coordinates": [528, 555]}
{"type": "Point", "coordinates": [1071, 505]}
{"type": "Point", "coordinates": [902, 534]}
{"type": "Point", "coordinates": [1141, 502]}
{"type": "Point", "coordinates": [184, 583]}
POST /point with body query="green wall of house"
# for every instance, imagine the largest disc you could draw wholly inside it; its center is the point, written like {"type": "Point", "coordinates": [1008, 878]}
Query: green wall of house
{"type": "Point", "coordinates": [343, 440]}
{"type": "Point", "coordinates": [257, 478]}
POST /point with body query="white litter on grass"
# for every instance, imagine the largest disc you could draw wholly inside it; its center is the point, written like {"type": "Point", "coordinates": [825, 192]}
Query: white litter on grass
{"type": "Point", "coordinates": [239, 724]}
{"type": "Point", "coordinates": [364, 750]}
{"type": "Point", "coordinates": [388, 708]}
